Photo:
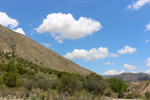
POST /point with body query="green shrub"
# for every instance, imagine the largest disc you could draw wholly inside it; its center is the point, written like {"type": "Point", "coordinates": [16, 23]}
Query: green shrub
{"type": "Point", "coordinates": [68, 83]}
{"type": "Point", "coordinates": [33, 98]}
{"type": "Point", "coordinates": [2, 85]}
{"type": "Point", "coordinates": [54, 84]}
{"type": "Point", "coordinates": [118, 85]}
{"type": "Point", "coordinates": [108, 92]}
{"type": "Point", "coordinates": [43, 84]}
{"type": "Point", "coordinates": [96, 84]}
{"type": "Point", "coordinates": [132, 96]}
{"type": "Point", "coordinates": [27, 94]}
{"type": "Point", "coordinates": [1, 80]}
{"type": "Point", "coordinates": [22, 70]}
{"type": "Point", "coordinates": [11, 76]}
{"type": "Point", "coordinates": [29, 84]}
{"type": "Point", "coordinates": [147, 94]}
{"type": "Point", "coordinates": [42, 96]}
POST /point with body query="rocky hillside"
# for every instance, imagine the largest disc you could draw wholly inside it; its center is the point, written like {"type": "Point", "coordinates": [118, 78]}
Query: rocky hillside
{"type": "Point", "coordinates": [30, 50]}
{"type": "Point", "coordinates": [139, 87]}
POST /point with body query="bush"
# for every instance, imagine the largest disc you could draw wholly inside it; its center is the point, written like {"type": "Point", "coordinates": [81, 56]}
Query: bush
{"type": "Point", "coordinates": [29, 84]}
{"type": "Point", "coordinates": [96, 84]}
{"type": "Point", "coordinates": [43, 84]}
{"type": "Point", "coordinates": [117, 85]}
{"type": "Point", "coordinates": [2, 85]}
{"type": "Point", "coordinates": [132, 96]}
{"type": "Point", "coordinates": [42, 96]}
{"type": "Point", "coordinates": [22, 70]}
{"type": "Point", "coordinates": [108, 92]}
{"type": "Point", "coordinates": [68, 83]}
{"type": "Point", "coordinates": [11, 76]}
{"type": "Point", "coordinates": [1, 80]}
{"type": "Point", "coordinates": [147, 94]}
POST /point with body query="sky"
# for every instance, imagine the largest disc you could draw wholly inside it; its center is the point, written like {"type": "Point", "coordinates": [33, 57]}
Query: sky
{"type": "Point", "coordinates": [105, 36]}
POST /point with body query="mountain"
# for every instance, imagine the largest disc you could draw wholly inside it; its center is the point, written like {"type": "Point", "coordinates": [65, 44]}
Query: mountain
{"type": "Point", "coordinates": [30, 50]}
{"type": "Point", "coordinates": [130, 77]}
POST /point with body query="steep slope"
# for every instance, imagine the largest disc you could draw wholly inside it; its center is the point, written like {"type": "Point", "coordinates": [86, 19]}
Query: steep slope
{"type": "Point", "coordinates": [32, 51]}
{"type": "Point", "coordinates": [130, 77]}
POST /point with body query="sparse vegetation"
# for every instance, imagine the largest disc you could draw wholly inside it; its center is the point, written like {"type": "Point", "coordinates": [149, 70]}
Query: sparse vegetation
{"type": "Point", "coordinates": [29, 81]}
{"type": "Point", "coordinates": [132, 96]}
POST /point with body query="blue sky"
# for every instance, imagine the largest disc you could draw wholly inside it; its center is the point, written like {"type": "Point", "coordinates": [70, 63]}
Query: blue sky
{"type": "Point", "coordinates": [105, 36]}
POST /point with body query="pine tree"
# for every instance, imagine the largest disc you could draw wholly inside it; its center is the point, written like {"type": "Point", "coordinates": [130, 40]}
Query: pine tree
{"type": "Point", "coordinates": [11, 76]}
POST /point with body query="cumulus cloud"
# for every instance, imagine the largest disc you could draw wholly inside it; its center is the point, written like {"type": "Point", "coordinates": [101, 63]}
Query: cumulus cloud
{"type": "Point", "coordinates": [92, 54]}
{"type": "Point", "coordinates": [99, 53]}
{"type": "Point", "coordinates": [148, 27]}
{"type": "Point", "coordinates": [7, 21]}
{"type": "Point", "coordinates": [108, 63]}
{"type": "Point", "coordinates": [20, 30]}
{"type": "Point", "coordinates": [62, 26]}
{"type": "Point", "coordinates": [113, 72]}
{"type": "Point", "coordinates": [148, 62]}
{"type": "Point", "coordinates": [129, 67]}
{"type": "Point", "coordinates": [138, 4]}
{"type": "Point", "coordinates": [127, 50]}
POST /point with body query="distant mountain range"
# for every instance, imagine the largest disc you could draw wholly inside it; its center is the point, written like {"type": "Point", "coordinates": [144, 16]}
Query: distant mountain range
{"type": "Point", "coordinates": [34, 52]}
{"type": "Point", "coordinates": [130, 77]}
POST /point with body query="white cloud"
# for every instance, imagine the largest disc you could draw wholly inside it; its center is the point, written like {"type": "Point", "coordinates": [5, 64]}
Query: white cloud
{"type": "Point", "coordinates": [148, 62]}
{"type": "Point", "coordinates": [47, 44]}
{"type": "Point", "coordinates": [108, 63]}
{"type": "Point", "coordinates": [113, 72]}
{"type": "Point", "coordinates": [113, 55]}
{"type": "Point", "coordinates": [62, 26]}
{"type": "Point", "coordinates": [148, 27]}
{"type": "Point", "coordinates": [92, 54]}
{"type": "Point", "coordinates": [129, 6]}
{"type": "Point", "coordinates": [138, 4]}
{"type": "Point", "coordinates": [99, 53]}
{"type": "Point", "coordinates": [127, 50]}
{"type": "Point", "coordinates": [147, 71]}
{"type": "Point", "coordinates": [147, 41]}
{"type": "Point", "coordinates": [129, 67]}
{"type": "Point", "coordinates": [7, 21]}
{"type": "Point", "coordinates": [20, 30]}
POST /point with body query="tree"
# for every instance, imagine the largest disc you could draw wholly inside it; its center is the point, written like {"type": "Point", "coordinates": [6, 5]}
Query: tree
{"type": "Point", "coordinates": [1, 80]}
{"type": "Point", "coordinates": [117, 85]}
{"type": "Point", "coordinates": [96, 84]}
{"type": "Point", "coordinates": [11, 76]}
{"type": "Point", "coordinates": [69, 83]}
{"type": "Point", "coordinates": [13, 47]}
